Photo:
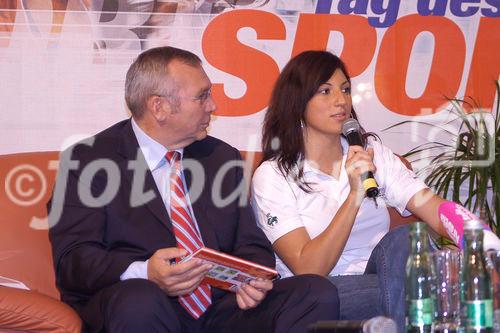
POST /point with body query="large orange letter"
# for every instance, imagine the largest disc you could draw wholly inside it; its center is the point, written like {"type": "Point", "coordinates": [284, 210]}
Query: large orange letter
{"type": "Point", "coordinates": [222, 50]}
{"type": "Point", "coordinates": [485, 65]}
{"type": "Point", "coordinates": [360, 39]}
{"type": "Point", "coordinates": [393, 58]}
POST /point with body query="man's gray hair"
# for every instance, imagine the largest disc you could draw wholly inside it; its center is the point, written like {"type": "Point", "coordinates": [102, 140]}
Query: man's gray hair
{"type": "Point", "coordinates": [148, 75]}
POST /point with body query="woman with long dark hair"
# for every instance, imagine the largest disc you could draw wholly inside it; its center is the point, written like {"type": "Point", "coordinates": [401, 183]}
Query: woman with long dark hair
{"type": "Point", "coordinates": [308, 196]}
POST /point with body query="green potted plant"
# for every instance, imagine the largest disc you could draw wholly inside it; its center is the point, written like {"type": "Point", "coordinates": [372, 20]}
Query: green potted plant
{"type": "Point", "coordinates": [467, 170]}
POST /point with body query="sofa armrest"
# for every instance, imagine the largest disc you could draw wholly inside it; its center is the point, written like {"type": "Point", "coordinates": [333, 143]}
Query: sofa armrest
{"type": "Point", "coordinates": [31, 311]}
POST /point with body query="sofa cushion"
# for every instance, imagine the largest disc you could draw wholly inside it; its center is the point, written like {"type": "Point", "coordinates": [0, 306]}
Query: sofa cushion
{"type": "Point", "coordinates": [30, 311]}
{"type": "Point", "coordinates": [25, 253]}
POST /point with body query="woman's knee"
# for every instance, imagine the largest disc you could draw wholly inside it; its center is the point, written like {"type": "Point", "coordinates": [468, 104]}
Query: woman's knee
{"type": "Point", "coordinates": [395, 243]}
{"type": "Point", "coordinates": [397, 238]}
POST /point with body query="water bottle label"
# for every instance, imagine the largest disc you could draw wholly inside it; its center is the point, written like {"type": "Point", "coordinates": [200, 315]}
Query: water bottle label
{"type": "Point", "coordinates": [421, 312]}
{"type": "Point", "coordinates": [479, 314]}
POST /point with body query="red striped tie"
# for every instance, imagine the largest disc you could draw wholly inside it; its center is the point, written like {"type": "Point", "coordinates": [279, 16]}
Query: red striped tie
{"type": "Point", "coordinates": [186, 234]}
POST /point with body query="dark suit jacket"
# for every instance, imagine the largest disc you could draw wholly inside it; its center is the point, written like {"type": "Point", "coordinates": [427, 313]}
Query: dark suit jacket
{"type": "Point", "coordinates": [93, 246]}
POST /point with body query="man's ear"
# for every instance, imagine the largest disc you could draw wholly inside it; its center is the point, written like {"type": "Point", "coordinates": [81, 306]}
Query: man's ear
{"type": "Point", "coordinates": [159, 107]}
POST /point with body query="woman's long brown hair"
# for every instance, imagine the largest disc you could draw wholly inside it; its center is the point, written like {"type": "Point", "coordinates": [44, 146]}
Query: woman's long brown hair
{"type": "Point", "coordinates": [282, 138]}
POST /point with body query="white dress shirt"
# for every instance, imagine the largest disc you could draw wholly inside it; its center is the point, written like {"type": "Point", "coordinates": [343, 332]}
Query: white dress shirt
{"type": "Point", "coordinates": [154, 154]}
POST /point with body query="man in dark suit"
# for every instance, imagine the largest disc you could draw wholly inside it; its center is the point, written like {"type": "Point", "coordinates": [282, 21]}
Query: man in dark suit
{"type": "Point", "coordinates": [115, 228]}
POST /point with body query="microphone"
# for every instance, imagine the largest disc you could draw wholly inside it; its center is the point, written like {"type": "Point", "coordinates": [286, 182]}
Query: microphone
{"type": "Point", "coordinates": [351, 131]}
{"type": "Point", "coordinates": [378, 324]}
{"type": "Point", "coordinates": [453, 216]}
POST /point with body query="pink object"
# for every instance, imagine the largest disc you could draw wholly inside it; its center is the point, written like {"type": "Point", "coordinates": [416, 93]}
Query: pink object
{"type": "Point", "coordinates": [453, 216]}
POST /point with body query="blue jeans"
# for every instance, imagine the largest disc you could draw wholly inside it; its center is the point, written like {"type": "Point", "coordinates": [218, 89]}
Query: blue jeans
{"type": "Point", "coordinates": [380, 291]}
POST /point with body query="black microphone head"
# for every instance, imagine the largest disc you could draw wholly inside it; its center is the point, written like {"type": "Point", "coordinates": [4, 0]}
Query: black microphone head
{"type": "Point", "coordinates": [350, 125]}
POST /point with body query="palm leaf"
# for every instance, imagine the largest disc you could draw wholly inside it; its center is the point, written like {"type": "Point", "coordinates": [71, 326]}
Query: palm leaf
{"type": "Point", "coordinates": [452, 168]}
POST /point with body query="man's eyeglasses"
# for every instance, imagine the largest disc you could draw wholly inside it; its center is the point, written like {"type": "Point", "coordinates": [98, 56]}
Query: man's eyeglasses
{"type": "Point", "coordinates": [201, 98]}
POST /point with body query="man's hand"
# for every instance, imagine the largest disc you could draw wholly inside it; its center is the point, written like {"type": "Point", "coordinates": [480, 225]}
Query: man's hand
{"type": "Point", "coordinates": [250, 295]}
{"type": "Point", "coordinates": [176, 279]}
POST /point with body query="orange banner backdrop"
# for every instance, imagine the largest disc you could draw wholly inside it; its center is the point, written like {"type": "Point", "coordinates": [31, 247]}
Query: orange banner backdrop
{"type": "Point", "coordinates": [63, 62]}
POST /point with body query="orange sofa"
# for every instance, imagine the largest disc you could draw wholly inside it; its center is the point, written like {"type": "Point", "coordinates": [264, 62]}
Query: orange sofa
{"type": "Point", "coordinates": [25, 252]}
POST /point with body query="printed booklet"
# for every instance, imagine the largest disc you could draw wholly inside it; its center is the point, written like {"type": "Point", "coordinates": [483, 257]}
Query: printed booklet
{"type": "Point", "coordinates": [230, 272]}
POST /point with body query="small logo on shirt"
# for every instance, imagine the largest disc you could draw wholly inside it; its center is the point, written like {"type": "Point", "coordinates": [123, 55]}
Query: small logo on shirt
{"type": "Point", "coordinates": [271, 220]}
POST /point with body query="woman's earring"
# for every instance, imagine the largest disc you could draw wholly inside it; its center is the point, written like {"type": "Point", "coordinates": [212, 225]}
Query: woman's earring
{"type": "Point", "coordinates": [302, 124]}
